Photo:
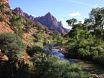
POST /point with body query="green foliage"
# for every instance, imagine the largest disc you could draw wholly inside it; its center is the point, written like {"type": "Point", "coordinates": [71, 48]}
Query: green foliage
{"type": "Point", "coordinates": [97, 17]}
{"type": "Point", "coordinates": [2, 7]}
{"type": "Point", "coordinates": [56, 38]}
{"type": "Point", "coordinates": [11, 43]}
{"type": "Point", "coordinates": [17, 24]}
{"type": "Point", "coordinates": [33, 50]}
{"type": "Point", "coordinates": [86, 40]}
{"type": "Point", "coordinates": [3, 11]}
{"type": "Point", "coordinates": [1, 18]}
{"type": "Point", "coordinates": [12, 46]}
{"type": "Point", "coordinates": [72, 21]}
{"type": "Point", "coordinates": [51, 67]}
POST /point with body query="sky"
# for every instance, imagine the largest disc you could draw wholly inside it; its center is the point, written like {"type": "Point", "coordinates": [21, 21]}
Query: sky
{"type": "Point", "coordinates": [61, 9]}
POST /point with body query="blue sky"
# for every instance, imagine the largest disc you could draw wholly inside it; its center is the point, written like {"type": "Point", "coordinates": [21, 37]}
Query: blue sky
{"type": "Point", "coordinates": [61, 9]}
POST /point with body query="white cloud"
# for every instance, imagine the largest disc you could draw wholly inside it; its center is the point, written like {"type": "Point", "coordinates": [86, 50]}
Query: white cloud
{"type": "Point", "coordinates": [65, 25]}
{"type": "Point", "coordinates": [74, 14]}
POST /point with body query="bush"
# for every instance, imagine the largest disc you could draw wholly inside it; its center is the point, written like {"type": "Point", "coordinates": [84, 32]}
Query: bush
{"type": "Point", "coordinates": [11, 44]}
{"type": "Point", "coordinates": [52, 67]}
{"type": "Point", "coordinates": [2, 7]}
{"type": "Point", "coordinates": [1, 18]}
{"type": "Point", "coordinates": [34, 50]}
{"type": "Point", "coordinates": [17, 24]}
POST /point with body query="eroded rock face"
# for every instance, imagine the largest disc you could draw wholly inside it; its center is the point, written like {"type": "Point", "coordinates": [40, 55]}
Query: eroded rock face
{"type": "Point", "coordinates": [5, 8]}
{"type": "Point", "coordinates": [4, 16]}
{"type": "Point", "coordinates": [5, 28]}
{"type": "Point", "coordinates": [6, 1]}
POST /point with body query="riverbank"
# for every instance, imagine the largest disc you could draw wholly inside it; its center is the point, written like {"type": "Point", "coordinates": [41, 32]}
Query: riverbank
{"type": "Point", "coordinates": [86, 65]}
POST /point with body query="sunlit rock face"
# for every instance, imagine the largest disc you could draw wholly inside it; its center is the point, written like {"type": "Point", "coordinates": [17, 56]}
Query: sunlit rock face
{"type": "Point", "coordinates": [6, 1]}
{"type": "Point", "coordinates": [5, 15]}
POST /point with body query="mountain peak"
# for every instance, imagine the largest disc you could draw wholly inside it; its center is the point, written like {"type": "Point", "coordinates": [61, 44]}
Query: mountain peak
{"type": "Point", "coordinates": [18, 10]}
{"type": "Point", "coordinates": [48, 14]}
{"type": "Point", "coordinates": [51, 22]}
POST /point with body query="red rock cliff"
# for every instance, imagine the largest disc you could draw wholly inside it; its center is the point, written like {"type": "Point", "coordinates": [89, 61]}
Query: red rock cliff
{"type": "Point", "coordinates": [4, 16]}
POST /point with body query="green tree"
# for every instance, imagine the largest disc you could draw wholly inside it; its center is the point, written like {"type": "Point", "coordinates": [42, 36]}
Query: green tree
{"type": "Point", "coordinates": [97, 17]}
{"type": "Point", "coordinates": [71, 22]}
{"type": "Point", "coordinates": [86, 40]}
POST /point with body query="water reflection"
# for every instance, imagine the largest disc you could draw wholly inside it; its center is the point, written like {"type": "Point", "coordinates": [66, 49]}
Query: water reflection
{"type": "Point", "coordinates": [57, 53]}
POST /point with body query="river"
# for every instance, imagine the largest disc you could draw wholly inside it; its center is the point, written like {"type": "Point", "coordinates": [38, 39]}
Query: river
{"type": "Point", "coordinates": [85, 65]}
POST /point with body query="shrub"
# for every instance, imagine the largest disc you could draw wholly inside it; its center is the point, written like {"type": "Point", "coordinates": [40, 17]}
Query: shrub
{"type": "Point", "coordinates": [11, 44]}
{"type": "Point", "coordinates": [17, 24]}
{"type": "Point", "coordinates": [1, 18]}
{"type": "Point", "coordinates": [52, 67]}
